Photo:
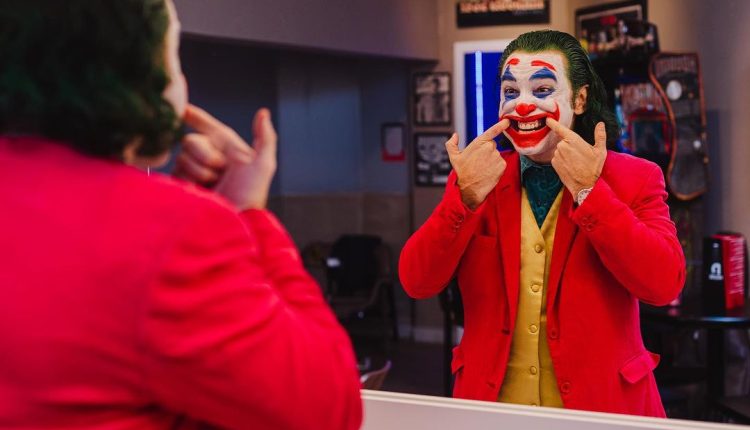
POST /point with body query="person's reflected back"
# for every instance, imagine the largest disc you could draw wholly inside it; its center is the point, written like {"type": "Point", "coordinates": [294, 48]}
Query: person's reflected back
{"type": "Point", "coordinates": [142, 302]}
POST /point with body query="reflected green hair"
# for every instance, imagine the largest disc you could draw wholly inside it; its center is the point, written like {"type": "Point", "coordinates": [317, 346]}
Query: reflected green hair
{"type": "Point", "coordinates": [580, 73]}
{"type": "Point", "coordinates": [90, 73]}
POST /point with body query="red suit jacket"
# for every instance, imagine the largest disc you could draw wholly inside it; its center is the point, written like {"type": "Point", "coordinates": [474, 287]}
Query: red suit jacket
{"type": "Point", "coordinates": [617, 248]}
{"type": "Point", "coordinates": [137, 302]}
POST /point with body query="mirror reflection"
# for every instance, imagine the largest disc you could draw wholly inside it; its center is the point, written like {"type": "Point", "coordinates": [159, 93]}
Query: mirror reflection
{"type": "Point", "coordinates": [536, 203]}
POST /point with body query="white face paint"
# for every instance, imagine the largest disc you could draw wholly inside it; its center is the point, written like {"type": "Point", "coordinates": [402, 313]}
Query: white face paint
{"type": "Point", "coordinates": [176, 92]}
{"type": "Point", "coordinates": [534, 87]}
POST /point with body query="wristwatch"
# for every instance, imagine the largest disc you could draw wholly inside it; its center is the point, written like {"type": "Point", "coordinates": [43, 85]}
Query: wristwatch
{"type": "Point", "coordinates": [581, 196]}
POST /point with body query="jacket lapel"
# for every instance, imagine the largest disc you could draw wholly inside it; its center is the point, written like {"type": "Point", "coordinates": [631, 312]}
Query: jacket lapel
{"type": "Point", "coordinates": [565, 232]}
{"type": "Point", "coordinates": [508, 204]}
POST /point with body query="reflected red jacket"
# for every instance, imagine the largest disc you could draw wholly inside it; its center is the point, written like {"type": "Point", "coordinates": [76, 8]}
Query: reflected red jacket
{"type": "Point", "coordinates": [137, 302]}
{"type": "Point", "coordinates": [617, 248]}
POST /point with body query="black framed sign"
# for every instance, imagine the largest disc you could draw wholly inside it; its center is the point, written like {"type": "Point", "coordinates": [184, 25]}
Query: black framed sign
{"type": "Point", "coordinates": [591, 21]}
{"type": "Point", "coordinates": [431, 163]}
{"type": "Point", "coordinates": [480, 13]}
{"type": "Point", "coordinates": [432, 99]}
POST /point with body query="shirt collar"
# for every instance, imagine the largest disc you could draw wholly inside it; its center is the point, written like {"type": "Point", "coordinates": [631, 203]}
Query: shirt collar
{"type": "Point", "coordinates": [527, 163]}
{"type": "Point", "coordinates": [531, 169]}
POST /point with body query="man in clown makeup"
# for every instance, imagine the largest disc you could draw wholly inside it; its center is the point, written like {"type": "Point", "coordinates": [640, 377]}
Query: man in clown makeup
{"type": "Point", "coordinates": [553, 244]}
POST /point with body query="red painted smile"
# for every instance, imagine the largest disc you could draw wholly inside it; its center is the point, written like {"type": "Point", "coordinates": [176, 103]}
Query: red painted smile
{"type": "Point", "coordinates": [528, 131]}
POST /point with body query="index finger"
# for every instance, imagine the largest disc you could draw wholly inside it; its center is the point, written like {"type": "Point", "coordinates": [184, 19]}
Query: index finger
{"type": "Point", "coordinates": [495, 130]}
{"type": "Point", "coordinates": [200, 120]}
{"type": "Point", "coordinates": [561, 130]}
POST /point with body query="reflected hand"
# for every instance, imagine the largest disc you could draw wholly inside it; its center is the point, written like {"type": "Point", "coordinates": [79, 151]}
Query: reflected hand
{"type": "Point", "coordinates": [217, 157]}
{"type": "Point", "coordinates": [479, 166]}
{"type": "Point", "coordinates": [578, 163]}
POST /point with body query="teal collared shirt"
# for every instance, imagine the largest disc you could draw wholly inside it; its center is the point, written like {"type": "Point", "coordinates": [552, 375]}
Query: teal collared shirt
{"type": "Point", "coordinates": [542, 186]}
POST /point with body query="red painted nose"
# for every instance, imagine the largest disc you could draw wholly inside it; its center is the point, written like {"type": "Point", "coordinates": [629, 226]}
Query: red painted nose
{"type": "Point", "coordinates": [524, 109]}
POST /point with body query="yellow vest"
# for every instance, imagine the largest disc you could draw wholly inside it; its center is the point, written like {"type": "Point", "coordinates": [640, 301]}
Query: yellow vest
{"type": "Point", "coordinates": [530, 378]}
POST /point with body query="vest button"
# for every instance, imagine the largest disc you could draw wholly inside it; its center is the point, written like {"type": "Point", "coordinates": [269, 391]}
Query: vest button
{"type": "Point", "coordinates": [536, 287]}
{"type": "Point", "coordinates": [538, 248]}
{"type": "Point", "coordinates": [533, 370]}
{"type": "Point", "coordinates": [533, 328]}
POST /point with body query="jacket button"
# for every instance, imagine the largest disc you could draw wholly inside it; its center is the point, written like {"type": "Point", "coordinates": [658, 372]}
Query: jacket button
{"type": "Point", "coordinates": [553, 333]}
{"type": "Point", "coordinates": [565, 387]}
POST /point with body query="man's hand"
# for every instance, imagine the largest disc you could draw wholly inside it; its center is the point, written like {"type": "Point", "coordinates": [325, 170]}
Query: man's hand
{"type": "Point", "coordinates": [479, 166]}
{"type": "Point", "coordinates": [217, 157]}
{"type": "Point", "coordinates": [578, 164]}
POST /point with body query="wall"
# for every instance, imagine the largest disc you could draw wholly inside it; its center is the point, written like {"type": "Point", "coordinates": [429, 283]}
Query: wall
{"type": "Point", "coordinates": [330, 116]}
{"type": "Point", "coordinates": [319, 125]}
{"type": "Point", "coordinates": [384, 99]}
{"type": "Point", "coordinates": [722, 34]}
{"type": "Point", "coordinates": [390, 28]}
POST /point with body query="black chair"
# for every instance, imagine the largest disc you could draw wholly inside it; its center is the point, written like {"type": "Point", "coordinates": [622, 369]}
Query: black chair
{"type": "Point", "coordinates": [360, 286]}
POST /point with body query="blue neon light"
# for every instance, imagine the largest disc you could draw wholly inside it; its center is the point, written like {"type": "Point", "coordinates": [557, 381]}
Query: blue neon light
{"type": "Point", "coordinates": [478, 91]}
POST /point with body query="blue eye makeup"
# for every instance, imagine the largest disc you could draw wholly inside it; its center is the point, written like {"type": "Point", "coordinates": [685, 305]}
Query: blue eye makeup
{"type": "Point", "coordinates": [510, 93]}
{"type": "Point", "coordinates": [543, 92]}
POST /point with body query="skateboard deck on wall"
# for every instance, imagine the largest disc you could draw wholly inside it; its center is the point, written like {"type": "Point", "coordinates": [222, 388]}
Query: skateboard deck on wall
{"type": "Point", "coordinates": [678, 80]}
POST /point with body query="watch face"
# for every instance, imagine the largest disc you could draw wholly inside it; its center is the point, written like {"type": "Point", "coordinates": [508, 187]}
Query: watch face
{"type": "Point", "coordinates": [674, 90]}
{"type": "Point", "coordinates": [582, 195]}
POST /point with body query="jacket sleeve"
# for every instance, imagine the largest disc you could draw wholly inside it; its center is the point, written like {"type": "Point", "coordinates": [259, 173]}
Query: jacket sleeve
{"type": "Point", "coordinates": [431, 255]}
{"type": "Point", "coordinates": [238, 335]}
{"type": "Point", "coordinates": [637, 243]}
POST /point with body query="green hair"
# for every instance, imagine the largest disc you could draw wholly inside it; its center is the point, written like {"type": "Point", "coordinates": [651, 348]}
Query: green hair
{"type": "Point", "coordinates": [90, 73]}
{"type": "Point", "coordinates": [580, 73]}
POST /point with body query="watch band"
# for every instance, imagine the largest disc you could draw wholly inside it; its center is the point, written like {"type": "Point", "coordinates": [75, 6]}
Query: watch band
{"type": "Point", "coordinates": [581, 196]}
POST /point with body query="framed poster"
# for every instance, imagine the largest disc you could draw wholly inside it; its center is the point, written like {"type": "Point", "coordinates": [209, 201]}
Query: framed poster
{"type": "Point", "coordinates": [432, 99]}
{"type": "Point", "coordinates": [478, 13]}
{"type": "Point", "coordinates": [431, 163]}
{"type": "Point", "coordinates": [392, 142]}
{"type": "Point", "coordinates": [597, 24]}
